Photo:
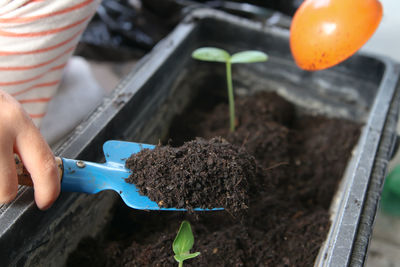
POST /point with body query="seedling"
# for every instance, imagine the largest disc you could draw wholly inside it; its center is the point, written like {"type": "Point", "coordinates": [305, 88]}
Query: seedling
{"type": "Point", "coordinates": [183, 243]}
{"type": "Point", "coordinates": [214, 54]}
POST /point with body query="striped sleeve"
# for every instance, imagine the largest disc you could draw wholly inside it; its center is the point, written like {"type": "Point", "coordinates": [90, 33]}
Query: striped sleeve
{"type": "Point", "coordinates": [37, 37]}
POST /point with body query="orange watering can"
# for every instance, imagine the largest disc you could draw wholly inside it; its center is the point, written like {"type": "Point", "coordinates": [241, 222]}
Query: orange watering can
{"type": "Point", "coordinates": [324, 33]}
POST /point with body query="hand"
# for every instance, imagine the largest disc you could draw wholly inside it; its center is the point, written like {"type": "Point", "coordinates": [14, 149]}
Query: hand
{"type": "Point", "coordinates": [19, 135]}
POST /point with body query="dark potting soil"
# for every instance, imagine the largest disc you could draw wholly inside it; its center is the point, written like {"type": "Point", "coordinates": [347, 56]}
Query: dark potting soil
{"type": "Point", "coordinates": [300, 160]}
{"type": "Point", "coordinates": [199, 174]}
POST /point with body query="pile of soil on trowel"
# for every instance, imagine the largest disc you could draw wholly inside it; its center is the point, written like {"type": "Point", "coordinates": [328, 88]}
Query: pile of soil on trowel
{"type": "Point", "coordinates": [201, 173]}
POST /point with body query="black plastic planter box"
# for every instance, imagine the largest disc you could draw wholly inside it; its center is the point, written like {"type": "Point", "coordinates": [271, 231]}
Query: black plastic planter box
{"type": "Point", "coordinates": [363, 89]}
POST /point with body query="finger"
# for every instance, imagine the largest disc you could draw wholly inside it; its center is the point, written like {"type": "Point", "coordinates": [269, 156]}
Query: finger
{"type": "Point", "coordinates": [8, 175]}
{"type": "Point", "coordinates": [40, 163]}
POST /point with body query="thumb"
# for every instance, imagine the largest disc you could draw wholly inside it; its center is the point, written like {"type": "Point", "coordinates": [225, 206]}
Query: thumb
{"type": "Point", "coordinates": [40, 163]}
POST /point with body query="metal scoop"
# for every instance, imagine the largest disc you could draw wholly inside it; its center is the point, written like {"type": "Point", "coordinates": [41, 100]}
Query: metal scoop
{"type": "Point", "coordinates": [91, 178]}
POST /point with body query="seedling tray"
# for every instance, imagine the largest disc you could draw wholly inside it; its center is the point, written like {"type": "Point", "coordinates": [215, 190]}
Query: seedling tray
{"type": "Point", "coordinates": [363, 89]}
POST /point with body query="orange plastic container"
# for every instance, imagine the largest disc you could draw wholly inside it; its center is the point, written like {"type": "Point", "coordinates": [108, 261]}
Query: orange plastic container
{"type": "Point", "coordinates": [323, 33]}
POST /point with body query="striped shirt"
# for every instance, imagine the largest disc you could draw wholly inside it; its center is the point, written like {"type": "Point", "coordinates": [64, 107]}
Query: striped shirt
{"type": "Point", "coordinates": [37, 37]}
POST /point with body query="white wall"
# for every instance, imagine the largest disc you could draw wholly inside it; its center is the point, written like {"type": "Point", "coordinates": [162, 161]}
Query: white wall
{"type": "Point", "coordinates": [386, 40]}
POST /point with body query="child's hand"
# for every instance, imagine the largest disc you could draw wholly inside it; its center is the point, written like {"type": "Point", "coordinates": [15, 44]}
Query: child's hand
{"type": "Point", "coordinates": [19, 135]}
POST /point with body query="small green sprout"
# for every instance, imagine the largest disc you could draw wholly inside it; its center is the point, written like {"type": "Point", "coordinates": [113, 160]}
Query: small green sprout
{"type": "Point", "coordinates": [183, 243]}
{"type": "Point", "coordinates": [214, 54]}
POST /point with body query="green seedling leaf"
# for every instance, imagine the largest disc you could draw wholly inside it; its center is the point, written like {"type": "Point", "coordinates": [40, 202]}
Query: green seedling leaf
{"type": "Point", "coordinates": [220, 55]}
{"type": "Point", "coordinates": [183, 243]}
{"type": "Point", "coordinates": [184, 240]}
{"type": "Point", "coordinates": [250, 56]}
{"type": "Point", "coordinates": [181, 258]}
{"type": "Point", "coordinates": [211, 54]}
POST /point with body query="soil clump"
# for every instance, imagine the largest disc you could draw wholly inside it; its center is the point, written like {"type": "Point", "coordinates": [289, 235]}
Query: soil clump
{"type": "Point", "coordinates": [199, 174]}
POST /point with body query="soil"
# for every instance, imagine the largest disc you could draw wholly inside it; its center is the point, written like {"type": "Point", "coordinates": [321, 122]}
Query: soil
{"type": "Point", "coordinates": [201, 173]}
{"type": "Point", "coordinates": [300, 160]}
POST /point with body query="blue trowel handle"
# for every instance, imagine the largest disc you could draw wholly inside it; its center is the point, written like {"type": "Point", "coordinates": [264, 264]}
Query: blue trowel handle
{"type": "Point", "coordinates": [90, 177]}
{"type": "Point", "coordinates": [76, 175]}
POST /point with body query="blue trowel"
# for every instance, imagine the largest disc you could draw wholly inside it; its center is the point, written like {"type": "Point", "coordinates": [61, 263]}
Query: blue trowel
{"type": "Point", "coordinates": [91, 178]}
